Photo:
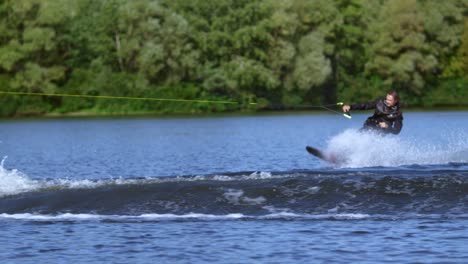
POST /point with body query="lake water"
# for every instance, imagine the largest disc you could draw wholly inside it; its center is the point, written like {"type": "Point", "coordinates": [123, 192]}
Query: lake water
{"type": "Point", "coordinates": [233, 189]}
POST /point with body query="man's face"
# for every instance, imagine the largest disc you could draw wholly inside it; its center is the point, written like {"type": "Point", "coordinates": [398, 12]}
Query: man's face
{"type": "Point", "coordinates": [390, 101]}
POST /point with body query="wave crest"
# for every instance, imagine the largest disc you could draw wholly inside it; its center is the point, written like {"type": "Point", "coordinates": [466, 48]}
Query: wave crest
{"type": "Point", "coordinates": [14, 182]}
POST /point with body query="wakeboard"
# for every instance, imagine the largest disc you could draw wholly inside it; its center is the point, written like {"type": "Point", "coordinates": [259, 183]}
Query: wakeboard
{"type": "Point", "coordinates": [316, 152]}
{"type": "Point", "coordinates": [323, 155]}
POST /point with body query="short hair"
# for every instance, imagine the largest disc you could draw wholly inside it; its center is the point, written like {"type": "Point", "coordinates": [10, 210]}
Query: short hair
{"type": "Point", "coordinates": [395, 95]}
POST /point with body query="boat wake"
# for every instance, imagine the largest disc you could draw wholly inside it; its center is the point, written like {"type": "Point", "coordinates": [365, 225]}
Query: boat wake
{"type": "Point", "coordinates": [406, 191]}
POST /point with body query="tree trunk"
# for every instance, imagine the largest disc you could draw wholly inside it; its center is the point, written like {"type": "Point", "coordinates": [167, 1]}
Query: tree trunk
{"type": "Point", "coordinates": [117, 46]}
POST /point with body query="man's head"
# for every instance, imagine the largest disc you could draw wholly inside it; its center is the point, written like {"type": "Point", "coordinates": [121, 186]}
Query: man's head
{"type": "Point", "coordinates": [392, 98]}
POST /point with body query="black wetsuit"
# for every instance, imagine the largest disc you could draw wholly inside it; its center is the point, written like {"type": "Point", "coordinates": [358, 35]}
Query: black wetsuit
{"type": "Point", "coordinates": [390, 115]}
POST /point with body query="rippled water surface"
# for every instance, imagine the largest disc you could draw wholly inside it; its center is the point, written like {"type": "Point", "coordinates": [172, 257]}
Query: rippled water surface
{"type": "Point", "coordinates": [235, 189]}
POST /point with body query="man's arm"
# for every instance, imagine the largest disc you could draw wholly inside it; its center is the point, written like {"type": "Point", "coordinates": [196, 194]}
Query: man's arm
{"type": "Point", "coordinates": [364, 106]}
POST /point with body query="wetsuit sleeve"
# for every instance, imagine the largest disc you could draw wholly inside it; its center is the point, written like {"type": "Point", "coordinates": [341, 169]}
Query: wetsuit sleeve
{"type": "Point", "coordinates": [364, 106]}
{"type": "Point", "coordinates": [396, 126]}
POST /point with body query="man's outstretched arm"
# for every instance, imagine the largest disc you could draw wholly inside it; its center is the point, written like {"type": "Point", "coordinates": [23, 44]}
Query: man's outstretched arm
{"type": "Point", "coordinates": [362, 106]}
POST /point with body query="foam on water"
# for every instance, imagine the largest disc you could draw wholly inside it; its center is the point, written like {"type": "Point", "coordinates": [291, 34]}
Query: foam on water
{"type": "Point", "coordinates": [238, 197]}
{"type": "Point", "coordinates": [367, 149]}
{"type": "Point", "coordinates": [14, 181]}
{"type": "Point", "coordinates": [175, 217]}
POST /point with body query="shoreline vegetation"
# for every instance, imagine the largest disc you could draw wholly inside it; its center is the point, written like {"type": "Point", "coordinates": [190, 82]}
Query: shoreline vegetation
{"type": "Point", "coordinates": [93, 115]}
{"type": "Point", "coordinates": [281, 55]}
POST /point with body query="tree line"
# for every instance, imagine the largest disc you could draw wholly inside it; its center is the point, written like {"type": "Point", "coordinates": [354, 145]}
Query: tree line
{"type": "Point", "coordinates": [278, 54]}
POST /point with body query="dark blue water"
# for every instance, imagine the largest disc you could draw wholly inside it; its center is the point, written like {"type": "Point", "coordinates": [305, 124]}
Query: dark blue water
{"type": "Point", "coordinates": [233, 189]}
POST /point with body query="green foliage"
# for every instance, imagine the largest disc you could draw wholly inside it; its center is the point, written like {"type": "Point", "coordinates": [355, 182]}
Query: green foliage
{"type": "Point", "coordinates": [9, 104]}
{"type": "Point", "coordinates": [400, 54]}
{"type": "Point", "coordinates": [279, 54]}
{"type": "Point", "coordinates": [10, 54]}
{"type": "Point", "coordinates": [312, 68]}
{"type": "Point", "coordinates": [451, 92]}
{"type": "Point", "coordinates": [458, 64]}
{"type": "Point", "coordinates": [30, 51]}
{"type": "Point", "coordinates": [362, 89]}
{"type": "Point", "coordinates": [35, 78]}
{"type": "Point", "coordinates": [443, 23]}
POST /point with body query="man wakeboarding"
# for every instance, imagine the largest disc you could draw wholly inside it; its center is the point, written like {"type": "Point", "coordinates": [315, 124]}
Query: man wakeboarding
{"type": "Point", "coordinates": [387, 118]}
